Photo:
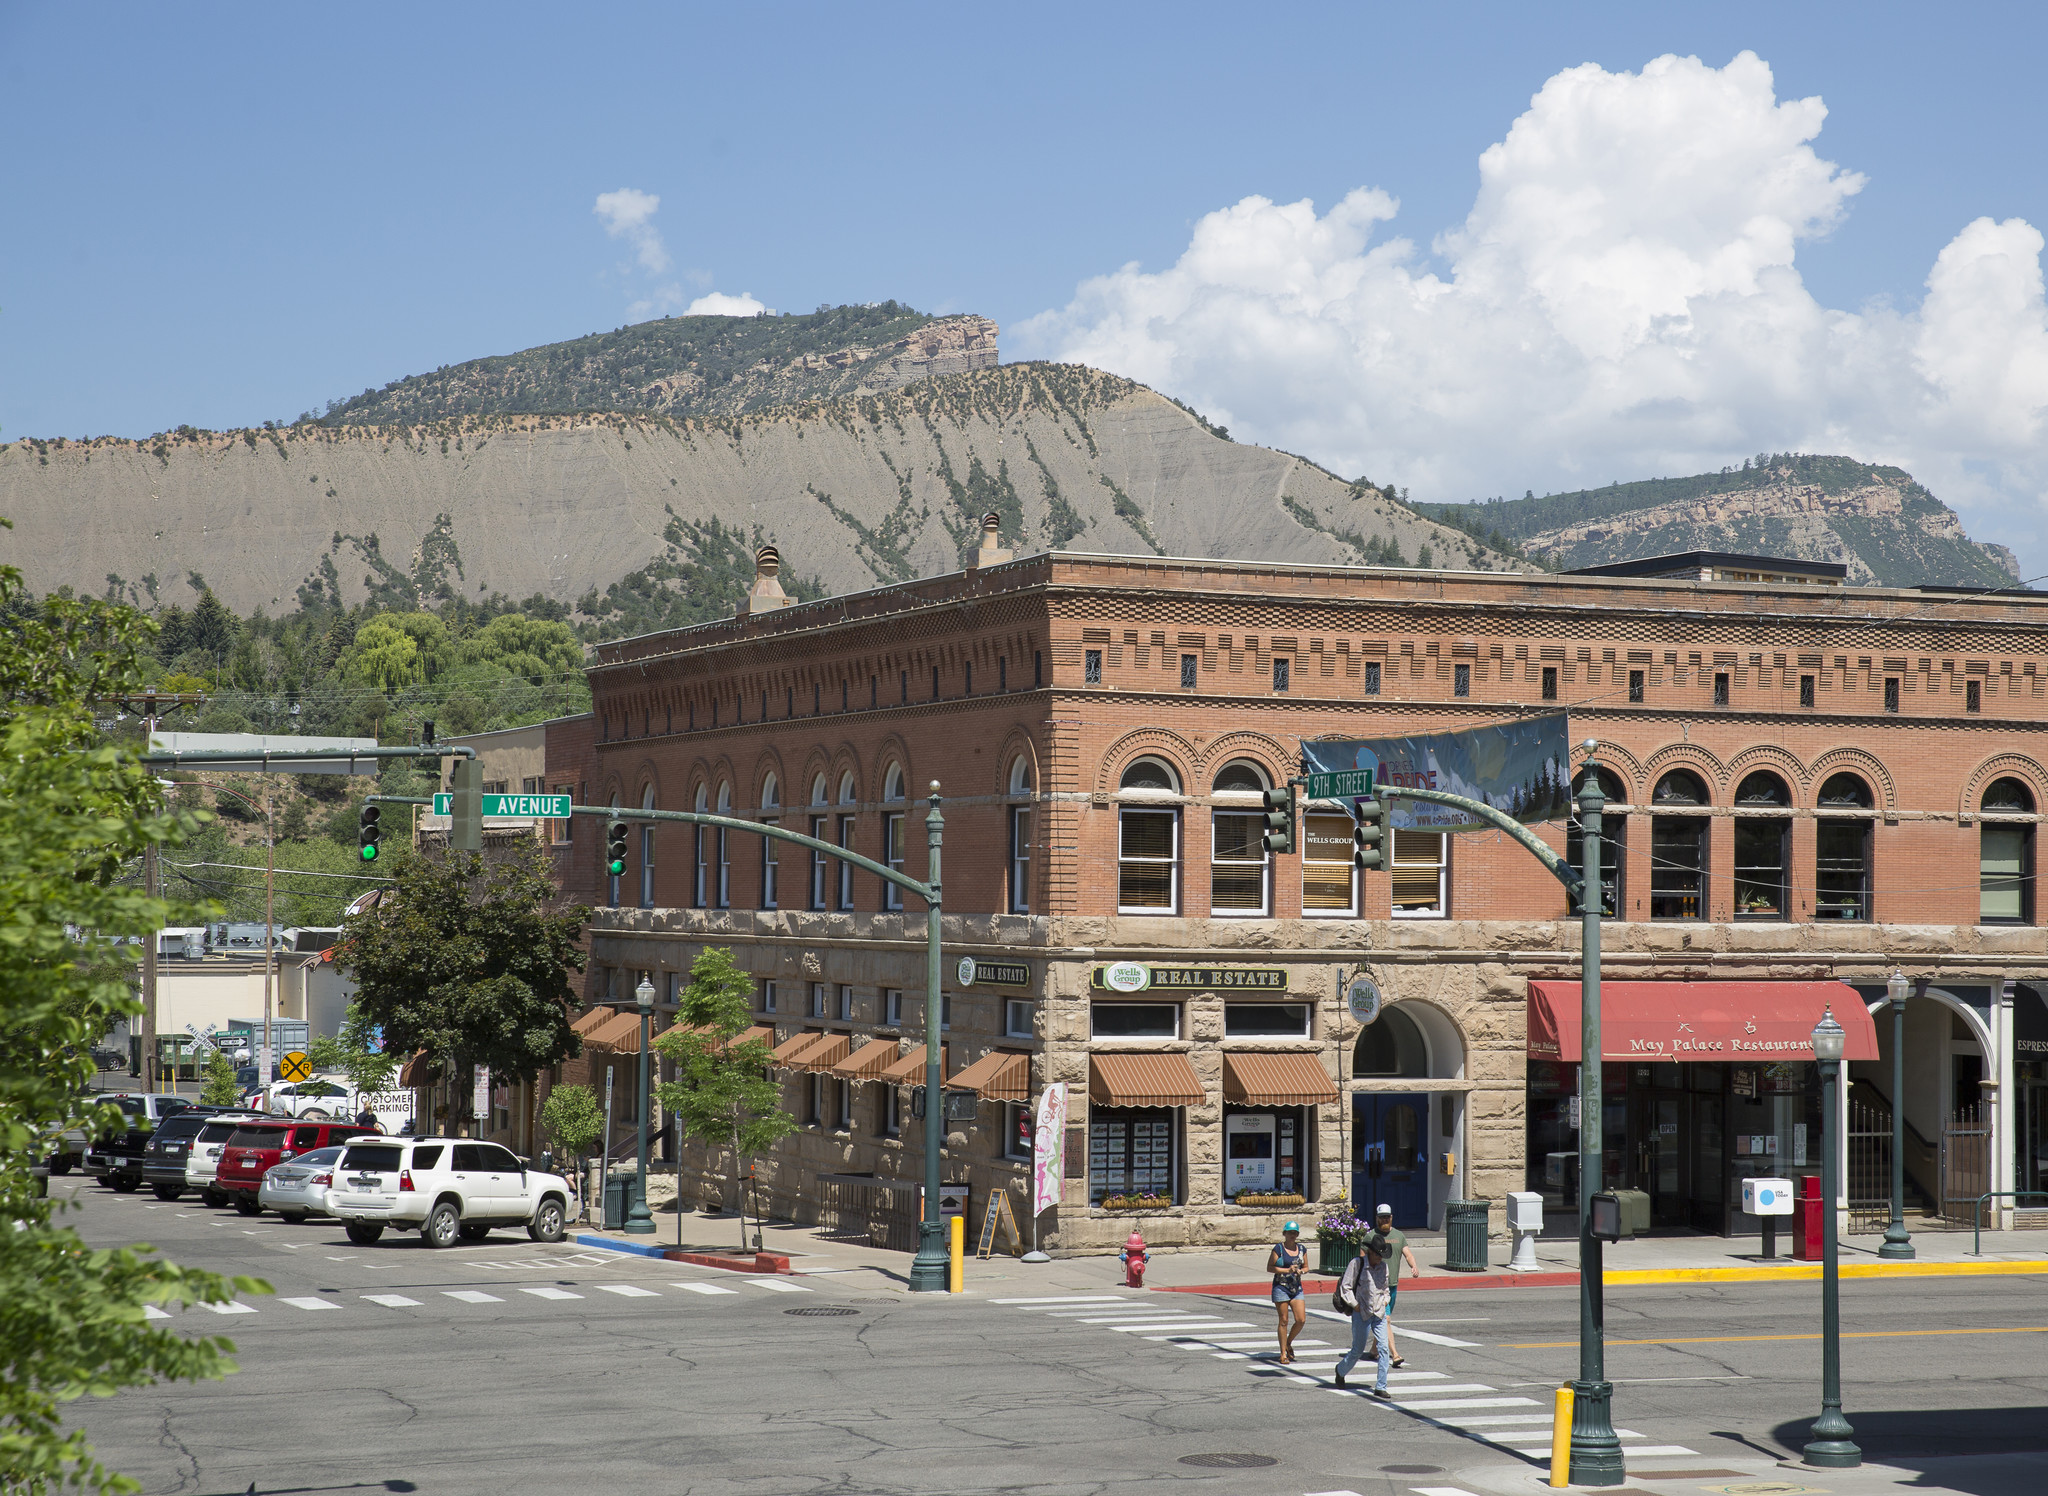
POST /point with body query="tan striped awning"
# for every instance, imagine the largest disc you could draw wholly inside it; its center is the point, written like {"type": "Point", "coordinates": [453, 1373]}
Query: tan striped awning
{"type": "Point", "coordinates": [1143, 1080]}
{"type": "Point", "coordinates": [996, 1076]}
{"type": "Point", "coordinates": [790, 1050]}
{"type": "Point", "coordinates": [868, 1062]}
{"type": "Point", "coordinates": [909, 1071]}
{"type": "Point", "coordinates": [1289, 1079]}
{"type": "Point", "coordinates": [621, 1034]}
{"type": "Point", "coordinates": [822, 1057]}
{"type": "Point", "coordinates": [763, 1032]}
{"type": "Point", "coordinates": [596, 1018]}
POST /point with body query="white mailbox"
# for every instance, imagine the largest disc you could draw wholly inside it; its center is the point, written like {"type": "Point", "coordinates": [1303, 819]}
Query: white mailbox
{"type": "Point", "coordinates": [1525, 1211]}
{"type": "Point", "coordinates": [1767, 1197]}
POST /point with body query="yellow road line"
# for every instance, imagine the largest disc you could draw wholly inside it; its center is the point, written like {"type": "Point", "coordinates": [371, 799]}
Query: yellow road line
{"type": "Point", "coordinates": [1802, 1271]}
{"type": "Point", "coordinates": [1551, 1345]}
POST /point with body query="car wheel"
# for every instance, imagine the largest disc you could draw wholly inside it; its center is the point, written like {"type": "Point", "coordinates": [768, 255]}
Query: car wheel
{"type": "Point", "coordinates": [314, 1114]}
{"type": "Point", "coordinates": [248, 1205]}
{"type": "Point", "coordinates": [166, 1191]}
{"type": "Point", "coordinates": [292, 1217]}
{"type": "Point", "coordinates": [61, 1164]}
{"type": "Point", "coordinates": [363, 1233]}
{"type": "Point", "coordinates": [444, 1226]}
{"type": "Point", "coordinates": [127, 1184]}
{"type": "Point", "coordinates": [473, 1231]}
{"type": "Point", "coordinates": [547, 1224]}
{"type": "Point", "coordinates": [214, 1198]}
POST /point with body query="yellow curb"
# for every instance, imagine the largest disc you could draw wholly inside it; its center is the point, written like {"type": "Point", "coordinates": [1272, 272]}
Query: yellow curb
{"type": "Point", "coordinates": [1797, 1271]}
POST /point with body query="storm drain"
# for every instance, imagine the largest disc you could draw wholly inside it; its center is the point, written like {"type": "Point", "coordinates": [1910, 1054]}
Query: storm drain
{"type": "Point", "coordinates": [1229, 1461]}
{"type": "Point", "coordinates": [820, 1311]}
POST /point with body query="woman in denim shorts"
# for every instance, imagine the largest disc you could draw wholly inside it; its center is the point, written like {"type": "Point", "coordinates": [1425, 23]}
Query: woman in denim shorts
{"type": "Point", "coordinates": [1286, 1263]}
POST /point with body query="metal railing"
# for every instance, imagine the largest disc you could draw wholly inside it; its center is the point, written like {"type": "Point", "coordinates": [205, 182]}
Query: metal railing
{"type": "Point", "coordinates": [1977, 1238]}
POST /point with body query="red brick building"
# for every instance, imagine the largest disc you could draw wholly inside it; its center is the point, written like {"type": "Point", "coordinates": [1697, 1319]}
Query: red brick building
{"type": "Point", "coordinates": [1806, 784]}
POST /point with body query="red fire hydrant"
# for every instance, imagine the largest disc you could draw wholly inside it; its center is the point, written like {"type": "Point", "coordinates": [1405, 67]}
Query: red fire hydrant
{"type": "Point", "coordinates": [1134, 1258]}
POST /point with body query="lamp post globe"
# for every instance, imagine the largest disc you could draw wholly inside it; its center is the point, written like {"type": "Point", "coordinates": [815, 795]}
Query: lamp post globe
{"type": "Point", "coordinates": [1898, 1242]}
{"type": "Point", "coordinates": [1832, 1445]}
{"type": "Point", "coordinates": [638, 1221]}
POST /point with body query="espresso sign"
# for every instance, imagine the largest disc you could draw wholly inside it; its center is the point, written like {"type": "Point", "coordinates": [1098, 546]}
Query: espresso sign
{"type": "Point", "coordinates": [1125, 977]}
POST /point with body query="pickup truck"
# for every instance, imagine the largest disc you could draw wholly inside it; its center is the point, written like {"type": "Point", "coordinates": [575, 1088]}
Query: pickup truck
{"type": "Point", "coordinates": [116, 1158]}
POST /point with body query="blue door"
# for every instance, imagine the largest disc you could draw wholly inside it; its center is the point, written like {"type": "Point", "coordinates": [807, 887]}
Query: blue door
{"type": "Point", "coordinates": [1390, 1159]}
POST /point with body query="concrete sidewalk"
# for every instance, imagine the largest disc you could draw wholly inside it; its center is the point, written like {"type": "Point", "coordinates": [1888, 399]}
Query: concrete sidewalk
{"type": "Point", "coordinates": [1976, 1475]}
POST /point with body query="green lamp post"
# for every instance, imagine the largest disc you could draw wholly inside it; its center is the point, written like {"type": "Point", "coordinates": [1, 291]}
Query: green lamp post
{"type": "Point", "coordinates": [638, 1221]}
{"type": "Point", "coordinates": [1898, 1242]}
{"type": "Point", "coordinates": [1832, 1445]}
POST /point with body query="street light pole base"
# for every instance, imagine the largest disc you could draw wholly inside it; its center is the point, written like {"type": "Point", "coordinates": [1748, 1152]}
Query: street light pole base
{"type": "Point", "coordinates": [1898, 1244]}
{"type": "Point", "coordinates": [1596, 1451]}
{"type": "Point", "coordinates": [1832, 1454]}
{"type": "Point", "coordinates": [638, 1222]}
{"type": "Point", "coordinates": [931, 1270]}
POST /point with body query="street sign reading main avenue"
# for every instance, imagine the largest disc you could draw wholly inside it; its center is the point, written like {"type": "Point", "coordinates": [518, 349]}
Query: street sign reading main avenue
{"type": "Point", "coordinates": [543, 807]}
{"type": "Point", "coordinates": [1341, 785]}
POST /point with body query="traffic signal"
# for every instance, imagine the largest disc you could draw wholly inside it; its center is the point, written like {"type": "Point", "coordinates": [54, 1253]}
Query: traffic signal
{"type": "Point", "coordinates": [615, 849]}
{"type": "Point", "coordinates": [1369, 833]}
{"type": "Point", "coordinates": [1279, 819]}
{"type": "Point", "coordinates": [367, 832]}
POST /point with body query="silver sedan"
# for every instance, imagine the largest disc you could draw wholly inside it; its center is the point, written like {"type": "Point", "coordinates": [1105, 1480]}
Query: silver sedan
{"type": "Point", "coordinates": [298, 1187]}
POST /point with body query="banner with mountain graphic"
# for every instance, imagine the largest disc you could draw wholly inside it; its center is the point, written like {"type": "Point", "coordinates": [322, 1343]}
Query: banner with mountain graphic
{"type": "Point", "coordinates": [1520, 768]}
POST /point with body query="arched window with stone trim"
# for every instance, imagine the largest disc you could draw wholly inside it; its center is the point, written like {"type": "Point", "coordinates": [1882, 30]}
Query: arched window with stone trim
{"type": "Point", "coordinates": [1763, 847]}
{"type": "Point", "coordinates": [771, 806]}
{"type": "Point", "coordinates": [849, 804]}
{"type": "Point", "coordinates": [1238, 863]}
{"type": "Point", "coordinates": [724, 849]}
{"type": "Point", "coordinates": [2005, 855]}
{"type": "Point", "coordinates": [1613, 840]}
{"type": "Point", "coordinates": [895, 827]}
{"type": "Point", "coordinates": [1148, 839]}
{"type": "Point", "coordinates": [647, 851]}
{"type": "Point", "coordinates": [700, 874]}
{"type": "Point", "coordinates": [1018, 891]}
{"type": "Point", "coordinates": [1841, 848]}
{"type": "Point", "coordinates": [1678, 846]}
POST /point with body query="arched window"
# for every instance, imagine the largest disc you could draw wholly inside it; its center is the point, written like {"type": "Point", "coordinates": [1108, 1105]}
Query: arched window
{"type": "Point", "coordinates": [1762, 788]}
{"type": "Point", "coordinates": [1148, 843]}
{"type": "Point", "coordinates": [700, 877]}
{"type": "Point", "coordinates": [1841, 850]}
{"type": "Point", "coordinates": [894, 827]}
{"type": "Point", "coordinates": [1238, 879]}
{"type": "Point", "coordinates": [1018, 892]}
{"type": "Point", "coordinates": [1020, 775]}
{"type": "Point", "coordinates": [1678, 848]}
{"type": "Point", "coordinates": [647, 851]}
{"type": "Point", "coordinates": [892, 783]}
{"type": "Point", "coordinates": [818, 790]}
{"type": "Point", "coordinates": [724, 849]}
{"type": "Point", "coordinates": [1613, 838]}
{"type": "Point", "coordinates": [2006, 855]}
{"type": "Point", "coordinates": [846, 788]}
{"type": "Point", "coordinates": [1390, 1046]}
{"type": "Point", "coordinates": [770, 794]}
{"type": "Point", "coordinates": [771, 803]}
{"type": "Point", "coordinates": [1763, 848]}
{"type": "Point", "coordinates": [848, 799]}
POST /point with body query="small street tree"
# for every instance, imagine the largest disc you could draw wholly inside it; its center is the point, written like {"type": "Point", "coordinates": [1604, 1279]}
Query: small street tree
{"type": "Point", "coordinates": [721, 1093]}
{"type": "Point", "coordinates": [468, 962]}
{"type": "Point", "coordinates": [573, 1119]}
{"type": "Point", "coordinates": [220, 1088]}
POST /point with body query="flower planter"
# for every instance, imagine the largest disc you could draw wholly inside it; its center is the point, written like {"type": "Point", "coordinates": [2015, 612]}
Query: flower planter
{"type": "Point", "coordinates": [1334, 1254]}
{"type": "Point", "coordinates": [1268, 1202]}
{"type": "Point", "coordinates": [1127, 1203]}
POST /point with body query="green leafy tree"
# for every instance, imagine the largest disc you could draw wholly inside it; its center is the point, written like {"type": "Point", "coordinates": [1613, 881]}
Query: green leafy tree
{"type": "Point", "coordinates": [525, 646]}
{"type": "Point", "coordinates": [354, 1053]}
{"type": "Point", "coordinates": [469, 962]}
{"type": "Point", "coordinates": [220, 1088]}
{"type": "Point", "coordinates": [573, 1119]}
{"type": "Point", "coordinates": [74, 814]}
{"type": "Point", "coordinates": [721, 1093]}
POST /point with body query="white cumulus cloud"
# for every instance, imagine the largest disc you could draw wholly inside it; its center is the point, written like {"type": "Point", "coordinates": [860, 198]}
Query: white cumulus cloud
{"type": "Point", "coordinates": [628, 214]}
{"type": "Point", "coordinates": [1621, 301]}
{"type": "Point", "coordinates": [718, 304]}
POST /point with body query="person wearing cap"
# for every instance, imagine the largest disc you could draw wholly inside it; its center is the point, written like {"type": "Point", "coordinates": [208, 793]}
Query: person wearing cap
{"type": "Point", "coordinates": [1397, 1251]}
{"type": "Point", "coordinates": [1364, 1287]}
{"type": "Point", "coordinates": [1286, 1262]}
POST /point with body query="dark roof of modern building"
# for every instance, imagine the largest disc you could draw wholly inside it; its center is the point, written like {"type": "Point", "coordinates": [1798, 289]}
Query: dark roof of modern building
{"type": "Point", "coordinates": [1658, 566]}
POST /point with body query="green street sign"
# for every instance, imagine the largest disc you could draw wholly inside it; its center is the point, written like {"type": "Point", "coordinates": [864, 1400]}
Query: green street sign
{"type": "Point", "coordinates": [1342, 785]}
{"type": "Point", "coordinates": [522, 807]}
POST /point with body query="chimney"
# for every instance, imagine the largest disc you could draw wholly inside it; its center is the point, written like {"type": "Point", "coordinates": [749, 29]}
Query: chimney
{"type": "Point", "coordinates": [991, 552]}
{"type": "Point", "coordinates": [766, 594]}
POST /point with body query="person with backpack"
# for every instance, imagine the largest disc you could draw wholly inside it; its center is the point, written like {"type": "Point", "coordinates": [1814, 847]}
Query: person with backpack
{"type": "Point", "coordinates": [1396, 1252]}
{"type": "Point", "coordinates": [1362, 1293]}
{"type": "Point", "coordinates": [1286, 1262]}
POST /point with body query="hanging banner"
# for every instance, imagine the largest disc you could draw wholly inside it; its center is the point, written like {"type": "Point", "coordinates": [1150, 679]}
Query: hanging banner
{"type": "Point", "coordinates": [1048, 1149]}
{"type": "Point", "coordinates": [1522, 769]}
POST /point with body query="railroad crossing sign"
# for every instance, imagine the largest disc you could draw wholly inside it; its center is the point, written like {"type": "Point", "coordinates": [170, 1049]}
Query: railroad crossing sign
{"type": "Point", "coordinates": [295, 1066]}
{"type": "Point", "coordinates": [523, 807]}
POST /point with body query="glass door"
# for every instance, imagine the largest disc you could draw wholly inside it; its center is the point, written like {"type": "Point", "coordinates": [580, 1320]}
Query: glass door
{"type": "Point", "coordinates": [1391, 1161]}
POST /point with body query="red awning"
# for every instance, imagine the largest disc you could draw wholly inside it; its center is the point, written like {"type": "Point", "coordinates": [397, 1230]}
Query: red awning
{"type": "Point", "coordinates": [1730, 1022]}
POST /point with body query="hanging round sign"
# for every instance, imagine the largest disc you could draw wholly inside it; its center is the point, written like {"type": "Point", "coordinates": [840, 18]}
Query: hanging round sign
{"type": "Point", "coordinates": [1364, 999]}
{"type": "Point", "coordinates": [1127, 976]}
{"type": "Point", "coordinates": [967, 971]}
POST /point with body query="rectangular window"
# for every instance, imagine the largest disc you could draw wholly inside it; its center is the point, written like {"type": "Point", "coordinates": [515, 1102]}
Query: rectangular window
{"type": "Point", "coordinates": [1091, 669]}
{"type": "Point", "coordinates": [1973, 696]}
{"type": "Point", "coordinates": [906, 688]}
{"type": "Point", "coordinates": [1329, 882]}
{"type": "Point", "coordinates": [842, 1008]}
{"type": "Point", "coordinates": [842, 1108]}
{"type": "Point", "coordinates": [1017, 1018]}
{"type": "Point", "coordinates": [1720, 688]}
{"type": "Point", "coordinates": [1187, 672]}
{"type": "Point", "coordinates": [814, 1101]}
{"type": "Point", "coordinates": [892, 1007]}
{"type": "Point", "coordinates": [2005, 871]}
{"type": "Point", "coordinates": [767, 997]}
{"type": "Point", "coordinates": [1678, 867]}
{"type": "Point", "coordinates": [935, 683]}
{"type": "Point", "coordinates": [1760, 856]}
{"type": "Point", "coordinates": [1134, 1021]}
{"type": "Point", "coordinates": [967, 680]}
{"type": "Point", "coordinates": [889, 1108]}
{"type": "Point", "coordinates": [1282, 672]}
{"type": "Point", "coordinates": [565, 830]}
{"type": "Point", "coordinates": [1550, 682]}
{"type": "Point", "coordinates": [724, 871]}
{"type": "Point", "coordinates": [1018, 1130]}
{"type": "Point", "coordinates": [1420, 873]}
{"type": "Point", "coordinates": [1020, 859]}
{"type": "Point", "coordinates": [845, 868]}
{"type": "Point", "coordinates": [1130, 1152]}
{"type": "Point", "coordinates": [1265, 1020]}
{"type": "Point", "coordinates": [1891, 693]}
{"type": "Point", "coordinates": [1612, 832]}
{"type": "Point", "coordinates": [1372, 677]}
{"type": "Point", "coordinates": [769, 866]}
{"type": "Point", "coordinates": [817, 1009]}
{"type": "Point", "coordinates": [945, 1012]}
{"type": "Point", "coordinates": [1237, 865]}
{"type": "Point", "coordinates": [1635, 685]}
{"type": "Point", "coordinates": [1148, 861]}
{"type": "Point", "coordinates": [892, 854]}
{"type": "Point", "coordinates": [700, 879]}
{"type": "Point", "coordinates": [820, 864]}
{"type": "Point", "coordinates": [1806, 690]}
{"type": "Point", "coordinates": [1037, 667]}
{"type": "Point", "coordinates": [1461, 680]}
{"type": "Point", "coordinates": [646, 867]}
{"type": "Point", "coordinates": [1841, 870]}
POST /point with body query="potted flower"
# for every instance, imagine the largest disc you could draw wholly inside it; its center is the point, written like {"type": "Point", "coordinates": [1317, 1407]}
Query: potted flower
{"type": "Point", "coordinates": [1251, 1200]}
{"type": "Point", "coordinates": [1340, 1236]}
{"type": "Point", "coordinates": [1144, 1200]}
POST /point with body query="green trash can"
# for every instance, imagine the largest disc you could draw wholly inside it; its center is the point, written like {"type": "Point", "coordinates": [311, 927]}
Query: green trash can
{"type": "Point", "coordinates": [618, 1199]}
{"type": "Point", "coordinates": [1465, 1235]}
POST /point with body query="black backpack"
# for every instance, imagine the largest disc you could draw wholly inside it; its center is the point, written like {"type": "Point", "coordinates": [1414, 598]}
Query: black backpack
{"type": "Point", "coordinates": [1340, 1300]}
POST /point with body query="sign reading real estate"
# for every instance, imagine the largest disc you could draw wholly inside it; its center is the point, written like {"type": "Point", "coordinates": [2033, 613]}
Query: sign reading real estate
{"type": "Point", "coordinates": [1522, 769]}
{"type": "Point", "coordinates": [1132, 976]}
{"type": "Point", "coordinates": [974, 972]}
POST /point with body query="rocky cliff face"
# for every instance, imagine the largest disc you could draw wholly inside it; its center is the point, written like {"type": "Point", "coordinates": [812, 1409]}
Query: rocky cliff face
{"type": "Point", "coordinates": [612, 510]}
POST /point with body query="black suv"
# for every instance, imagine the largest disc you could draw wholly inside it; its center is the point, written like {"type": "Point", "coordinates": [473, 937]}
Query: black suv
{"type": "Point", "coordinates": [163, 1159]}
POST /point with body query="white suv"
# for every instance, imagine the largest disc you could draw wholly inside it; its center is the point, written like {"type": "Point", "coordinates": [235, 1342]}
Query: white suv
{"type": "Point", "coordinates": [202, 1163]}
{"type": "Point", "coordinates": [447, 1189]}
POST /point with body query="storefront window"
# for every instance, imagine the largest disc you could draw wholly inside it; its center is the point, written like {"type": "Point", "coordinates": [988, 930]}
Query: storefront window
{"type": "Point", "coordinates": [1329, 882]}
{"type": "Point", "coordinates": [1264, 1152]}
{"type": "Point", "coordinates": [1265, 1020]}
{"type": "Point", "coordinates": [2006, 856]}
{"type": "Point", "coordinates": [1131, 1152]}
{"type": "Point", "coordinates": [1134, 1021]}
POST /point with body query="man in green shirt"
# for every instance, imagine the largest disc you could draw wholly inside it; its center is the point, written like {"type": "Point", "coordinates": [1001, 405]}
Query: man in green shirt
{"type": "Point", "coordinates": [1395, 1249]}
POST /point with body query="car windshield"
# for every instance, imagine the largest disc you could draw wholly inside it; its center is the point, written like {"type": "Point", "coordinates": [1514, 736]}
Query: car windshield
{"type": "Point", "coordinates": [319, 1156]}
{"type": "Point", "coordinates": [180, 1127]}
{"type": "Point", "coordinates": [132, 1105]}
{"type": "Point", "coordinates": [257, 1137]}
{"type": "Point", "coordinates": [217, 1132]}
{"type": "Point", "coordinates": [383, 1158]}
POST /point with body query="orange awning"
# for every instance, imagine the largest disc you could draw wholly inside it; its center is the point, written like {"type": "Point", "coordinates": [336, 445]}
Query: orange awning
{"type": "Point", "coordinates": [996, 1076]}
{"type": "Point", "coordinates": [1143, 1080]}
{"type": "Point", "coordinates": [824, 1056]}
{"type": "Point", "coordinates": [621, 1034]}
{"type": "Point", "coordinates": [1254, 1078]}
{"type": "Point", "coordinates": [868, 1062]}
{"type": "Point", "coordinates": [909, 1071]}
{"type": "Point", "coordinates": [596, 1018]}
{"type": "Point", "coordinates": [760, 1031]}
{"type": "Point", "coordinates": [790, 1050]}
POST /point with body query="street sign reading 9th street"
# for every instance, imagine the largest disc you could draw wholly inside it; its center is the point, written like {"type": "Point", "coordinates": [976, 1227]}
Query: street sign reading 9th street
{"type": "Point", "coordinates": [1339, 786]}
{"type": "Point", "coordinates": [526, 807]}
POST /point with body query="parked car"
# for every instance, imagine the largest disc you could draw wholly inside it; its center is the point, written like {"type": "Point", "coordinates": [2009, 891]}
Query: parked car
{"type": "Point", "coordinates": [258, 1147]}
{"type": "Point", "coordinates": [447, 1189]}
{"type": "Point", "coordinates": [116, 1158]}
{"type": "Point", "coordinates": [165, 1155]}
{"type": "Point", "coordinates": [110, 1059]}
{"type": "Point", "coordinates": [322, 1097]}
{"type": "Point", "coordinates": [202, 1159]}
{"type": "Point", "coordinates": [298, 1187]}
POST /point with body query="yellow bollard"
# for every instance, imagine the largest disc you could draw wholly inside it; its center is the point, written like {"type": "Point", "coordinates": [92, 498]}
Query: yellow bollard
{"type": "Point", "coordinates": [959, 1273]}
{"type": "Point", "coordinates": [1561, 1439]}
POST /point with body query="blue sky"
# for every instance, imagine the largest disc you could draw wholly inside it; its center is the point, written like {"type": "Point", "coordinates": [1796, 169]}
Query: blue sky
{"type": "Point", "coordinates": [222, 214]}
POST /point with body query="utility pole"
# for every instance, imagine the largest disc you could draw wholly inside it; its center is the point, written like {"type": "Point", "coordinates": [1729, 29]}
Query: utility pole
{"type": "Point", "coordinates": [931, 1268]}
{"type": "Point", "coordinates": [269, 929]}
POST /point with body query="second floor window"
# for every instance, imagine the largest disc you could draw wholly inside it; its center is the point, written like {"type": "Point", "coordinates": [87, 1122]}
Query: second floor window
{"type": "Point", "coordinates": [1421, 874]}
{"type": "Point", "coordinates": [1762, 849]}
{"type": "Point", "coordinates": [1148, 841]}
{"type": "Point", "coordinates": [1328, 878]}
{"type": "Point", "coordinates": [1237, 858]}
{"type": "Point", "coordinates": [2006, 856]}
{"type": "Point", "coordinates": [1841, 848]}
{"type": "Point", "coordinates": [1613, 832]}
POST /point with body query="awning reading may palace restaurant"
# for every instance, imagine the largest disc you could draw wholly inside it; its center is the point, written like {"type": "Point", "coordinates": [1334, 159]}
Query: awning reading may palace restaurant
{"type": "Point", "coordinates": [1727, 1022]}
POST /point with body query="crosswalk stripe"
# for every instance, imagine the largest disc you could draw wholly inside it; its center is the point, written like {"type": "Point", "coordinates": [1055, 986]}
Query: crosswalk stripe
{"type": "Point", "coordinates": [1473, 1402]}
{"type": "Point", "coordinates": [233, 1306]}
{"type": "Point", "coordinates": [392, 1300]}
{"type": "Point", "coordinates": [1067, 1298]}
{"type": "Point", "coordinates": [471, 1296]}
{"type": "Point", "coordinates": [150, 1311]}
{"type": "Point", "coordinates": [551, 1293]}
{"type": "Point", "coordinates": [1659, 1451]}
{"type": "Point", "coordinates": [1494, 1420]}
{"type": "Point", "coordinates": [627, 1291]}
{"type": "Point", "coordinates": [310, 1304]}
{"type": "Point", "coordinates": [1181, 1331]}
{"type": "Point", "coordinates": [704, 1288]}
{"type": "Point", "coordinates": [777, 1285]}
{"type": "Point", "coordinates": [1440, 1491]}
{"type": "Point", "coordinates": [1128, 1316]}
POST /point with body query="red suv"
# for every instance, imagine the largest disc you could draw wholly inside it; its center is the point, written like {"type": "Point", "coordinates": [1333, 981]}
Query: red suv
{"type": "Point", "coordinates": [256, 1146]}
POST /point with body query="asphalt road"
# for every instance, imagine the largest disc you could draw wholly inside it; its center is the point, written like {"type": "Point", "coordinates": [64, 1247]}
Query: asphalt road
{"type": "Point", "coordinates": [509, 1367]}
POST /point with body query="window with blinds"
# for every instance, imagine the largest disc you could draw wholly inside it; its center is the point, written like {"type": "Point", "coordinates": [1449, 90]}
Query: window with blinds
{"type": "Point", "coordinates": [1237, 868]}
{"type": "Point", "coordinates": [1328, 880]}
{"type": "Point", "coordinates": [1419, 874]}
{"type": "Point", "coordinates": [1148, 851]}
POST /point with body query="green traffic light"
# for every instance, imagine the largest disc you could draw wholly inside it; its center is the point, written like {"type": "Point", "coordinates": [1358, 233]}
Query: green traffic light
{"type": "Point", "coordinates": [616, 867]}
{"type": "Point", "coordinates": [370, 852]}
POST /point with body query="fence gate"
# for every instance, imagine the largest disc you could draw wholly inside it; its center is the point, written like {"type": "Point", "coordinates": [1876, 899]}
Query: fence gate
{"type": "Point", "coordinates": [1870, 1167]}
{"type": "Point", "coordinates": [1965, 1162]}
